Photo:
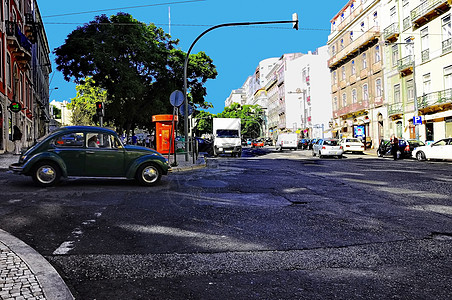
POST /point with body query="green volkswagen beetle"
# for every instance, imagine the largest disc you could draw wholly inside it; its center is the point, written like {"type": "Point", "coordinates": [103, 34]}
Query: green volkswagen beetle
{"type": "Point", "coordinates": [78, 151]}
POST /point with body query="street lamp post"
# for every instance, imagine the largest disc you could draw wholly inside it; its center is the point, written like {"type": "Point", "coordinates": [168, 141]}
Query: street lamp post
{"type": "Point", "coordinates": [294, 21]}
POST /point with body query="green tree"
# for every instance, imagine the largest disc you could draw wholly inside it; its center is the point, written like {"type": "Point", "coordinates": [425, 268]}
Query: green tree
{"type": "Point", "coordinates": [251, 116]}
{"type": "Point", "coordinates": [56, 112]}
{"type": "Point", "coordinates": [137, 64]}
{"type": "Point", "coordinates": [204, 124]}
{"type": "Point", "coordinates": [83, 106]}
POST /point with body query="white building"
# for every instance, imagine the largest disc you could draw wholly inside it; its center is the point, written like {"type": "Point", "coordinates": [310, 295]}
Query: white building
{"type": "Point", "coordinates": [66, 114]}
{"type": "Point", "coordinates": [308, 105]}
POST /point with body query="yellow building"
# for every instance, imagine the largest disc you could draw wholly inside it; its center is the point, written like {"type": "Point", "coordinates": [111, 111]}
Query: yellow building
{"type": "Point", "coordinates": [356, 65]}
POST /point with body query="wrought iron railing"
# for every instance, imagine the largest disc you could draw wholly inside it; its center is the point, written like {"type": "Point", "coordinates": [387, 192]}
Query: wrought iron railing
{"type": "Point", "coordinates": [395, 108]}
{"type": "Point", "coordinates": [405, 63]}
{"type": "Point", "coordinates": [447, 45]}
{"type": "Point", "coordinates": [13, 30]}
{"type": "Point", "coordinates": [435, 98]}
{"type": "Point", "coordinates": [425, 54]}
{"type": "Point", "coordinates": [406, 23]}
{"type": "Point", "coordinates": [424, 8]}
{"type": "Point", "coordinates": [391, 30]}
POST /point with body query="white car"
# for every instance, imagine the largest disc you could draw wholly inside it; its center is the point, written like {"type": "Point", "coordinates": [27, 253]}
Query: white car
{"type": "Point", "coordinates": [352, 145]}
{"type": "Point", "coordinates": [441, 149]}
{"type": "Point", "coordinates": [327, 147]}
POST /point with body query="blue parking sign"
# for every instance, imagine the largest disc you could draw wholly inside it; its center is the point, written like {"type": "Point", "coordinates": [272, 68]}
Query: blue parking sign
{"type": "Point", "coordinates": [417, 120]}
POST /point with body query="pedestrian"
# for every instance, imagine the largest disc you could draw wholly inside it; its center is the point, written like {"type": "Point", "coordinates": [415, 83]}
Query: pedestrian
{"type": "Point", "coordinates": [134, 139]}
{"type": "Point", "coordinates": [394, 146]}
{"type": "Point", "coordinates": [148, 141]}
{"type": "Point", "coordinates": [17, 139]}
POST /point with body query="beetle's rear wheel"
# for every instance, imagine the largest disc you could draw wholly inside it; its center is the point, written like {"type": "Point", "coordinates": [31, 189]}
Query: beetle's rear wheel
{"type": "Point", "coordinates": [46, 174]}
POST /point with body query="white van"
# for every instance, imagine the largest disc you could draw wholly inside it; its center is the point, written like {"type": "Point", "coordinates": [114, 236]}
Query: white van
{"type": "Point", "coordinates": [287, 141]}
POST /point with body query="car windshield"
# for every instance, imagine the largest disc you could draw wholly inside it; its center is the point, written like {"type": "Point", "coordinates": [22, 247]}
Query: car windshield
{"type": "Point", "coordinates": [416, 143]}
{"type": "Point", "coordinates": [227, 133]}
{"type": "Point", "coordinates": [330, 142]}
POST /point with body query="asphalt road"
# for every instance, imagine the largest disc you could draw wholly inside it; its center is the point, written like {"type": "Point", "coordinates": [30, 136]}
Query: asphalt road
{"type": "Point", "coordinates": [275, 226]}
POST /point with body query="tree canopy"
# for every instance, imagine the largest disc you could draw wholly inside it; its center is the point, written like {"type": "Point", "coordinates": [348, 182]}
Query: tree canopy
{"type": "Point", "coordinates": [251, 119]}
{"type": "Point", "coordinates": [138, 66]}
{"type": "Point", "coordinates": [83, 106]}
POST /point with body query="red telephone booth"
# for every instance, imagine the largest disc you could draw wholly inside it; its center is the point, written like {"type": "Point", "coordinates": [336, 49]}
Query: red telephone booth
{"type": "Point", "coordinates": [163, 125]}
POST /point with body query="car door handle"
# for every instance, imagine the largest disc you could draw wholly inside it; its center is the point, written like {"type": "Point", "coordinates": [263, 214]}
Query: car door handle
{"type": "Point", "coordinates": [90, 152]}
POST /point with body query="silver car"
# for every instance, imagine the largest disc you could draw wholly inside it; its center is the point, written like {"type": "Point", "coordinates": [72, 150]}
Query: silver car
{"type": "Point", "coordinates": [327, 147]}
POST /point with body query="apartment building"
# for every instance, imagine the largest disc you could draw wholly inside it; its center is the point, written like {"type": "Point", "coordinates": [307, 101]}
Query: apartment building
{"type": "Point", "coordinates": [356, 66]}
{"type": "Point", "coordinates": [24, 73]}
{"type": "Point", "coordinates": [418, 68]}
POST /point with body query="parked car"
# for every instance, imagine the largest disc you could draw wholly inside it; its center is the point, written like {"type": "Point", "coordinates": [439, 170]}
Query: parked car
{"type": "Point", "coordinates": [352, 145]}
{"type": "Point", "coordinates": [441, 149]}
{"type": "Point", "coordinates": [327, 147]}
{"type": "Point", "coordinates": [92, 152]}
{"type": "Point", "coordinates": [258, 143]}
{"type": "Point", "coordinates": [303, 144]}
{"type": "Point", "coordinates": [311, 143]}
{"type": "Point", "coordinates": [384, 149]}
{"type": "Point", "coordinates": [411, 144]}
{"type": "Point", "coordinates": [268, 142]}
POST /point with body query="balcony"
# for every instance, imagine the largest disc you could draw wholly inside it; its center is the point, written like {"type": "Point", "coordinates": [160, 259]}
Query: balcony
{"type": "Point", "coordinates": [357, 46]}
{"type": "Point", "coordinates": [429, 10]}
{"type": "Point", "coordinates": [30, 28]}
{"type": "Point", "coordinates": [436, 101]}
{"type": "Point", "coordinates": [377, 67]}
{"type": "Point", "coordinates": [447, 45]}
{"type": "Point", "coordinates": [18, 43]}
{"type": "Point", "coordinates": [363, 73]}
{"type": "Point", "coordinates": [391, 33]}
{"type": "Point", "coordinates": [308, 100]}
{"type": "Point", "coordinates": [405, 65]}
{"type": "Point", "coordinates": [395, 109]}
{"type": "Point", "coordinates": [307, 79]}
{"type": "Point", "coordinates": [334, 88]}
{"type": "Point", "coordinates": [351, 109]}
{"type": "Point", "coordinates": [425, 54]}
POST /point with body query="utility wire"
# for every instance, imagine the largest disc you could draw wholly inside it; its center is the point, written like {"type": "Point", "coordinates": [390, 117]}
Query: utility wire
{"type": "Point", "coordinates": [119, 8]}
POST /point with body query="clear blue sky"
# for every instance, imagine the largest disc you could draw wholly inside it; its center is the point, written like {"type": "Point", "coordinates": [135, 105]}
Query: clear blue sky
{"type": "Point", "coordinates": [235, 51]}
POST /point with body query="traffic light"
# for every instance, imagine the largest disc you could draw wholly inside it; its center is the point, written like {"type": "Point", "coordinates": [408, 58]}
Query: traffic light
{"type": "Point", "coordinates": [100, 109]}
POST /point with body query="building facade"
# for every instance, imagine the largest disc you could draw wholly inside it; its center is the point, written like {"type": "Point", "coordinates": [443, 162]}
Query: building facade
{"type": "Point", "coordinates": [24, 73]}
{"type": "Point", "coordinates": [356, 65]}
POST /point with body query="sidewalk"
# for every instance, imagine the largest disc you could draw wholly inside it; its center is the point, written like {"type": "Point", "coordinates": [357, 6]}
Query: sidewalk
{"type": "Point", "coordinates": [25, 274]}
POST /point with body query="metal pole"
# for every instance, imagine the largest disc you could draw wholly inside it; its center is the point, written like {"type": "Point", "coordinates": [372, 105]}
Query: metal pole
{"type": "Point", "coordinates": [188, 56]}
{"type": "Point", "coordinates": [416, 108]}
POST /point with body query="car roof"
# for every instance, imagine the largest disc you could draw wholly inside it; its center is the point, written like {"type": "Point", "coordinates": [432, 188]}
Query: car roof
{"type": "Point", "coordinates": [85, 128]}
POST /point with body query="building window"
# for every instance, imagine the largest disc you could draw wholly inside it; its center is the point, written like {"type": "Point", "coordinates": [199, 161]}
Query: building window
{"type": "Point", "coordinates": [426, 83]}
{"type": "Point", "coordinates": [1, 57]}
{"type": "Point", "coordinates": [344, 100]}
{"type": "Point", "coordinates": [377, 54]}
{"type": "Point", "coordinates": [335, 104]}
{"type": "Point", "coordinates": [351, 36]}
{"type": "Point", "coordinates": [342, 44]}
{"type": "Point", "coordinates": [8, 70]}
{"type": "Point", "coordinates": [397, 93]}
{"type": "Point", "coordinates": [333, 49]}
{"type": "Point", "coordinates": [334, 77]}
{"type": "Point", "coordinates": [343, 73]}
{"type": "Point", "coordinates": [378, 88]}
{"type": "Point", "coordinates": [365, 92]}
{"type": "Point", "coordinates": [410, 90]}
{"type": "Point", "coordinates": [395, 55]}
{"type": "Point", "coordinates": [393, 15]}
{"type": "Point", "coordinates": [354, 96]}
{"type": "Point", "coordinates": [448, 77]}
{"type": "Point", "coordinates": [447, 30]}
{"type": "Point", "coordinates": [364, 61]}
{"type": "Point", "coordinates": [353, 68]}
